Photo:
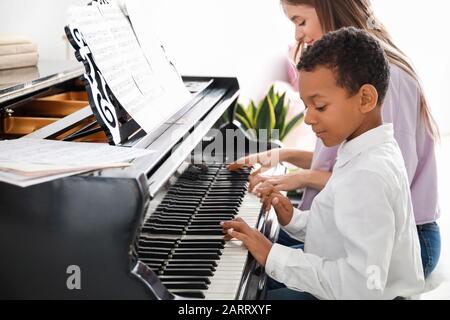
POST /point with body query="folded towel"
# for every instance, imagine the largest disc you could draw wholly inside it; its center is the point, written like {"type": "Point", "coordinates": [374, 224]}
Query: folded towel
{"type": "Point", "coordinates": [7, 50]}
{"type": "Point", "coordinates": [19, 60]}
{"type": "Point", "coordinates": [7, 39]}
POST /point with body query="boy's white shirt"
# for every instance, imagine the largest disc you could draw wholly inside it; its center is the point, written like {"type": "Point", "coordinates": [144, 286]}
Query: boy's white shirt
{"type": "Point", "coordinates": [361, 238]}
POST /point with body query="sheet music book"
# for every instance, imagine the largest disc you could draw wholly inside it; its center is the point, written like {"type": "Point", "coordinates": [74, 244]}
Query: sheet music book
{"type": "Point", "coordinates": [25, 162]}
{"type": "Point", "coordinates": [139, 74]}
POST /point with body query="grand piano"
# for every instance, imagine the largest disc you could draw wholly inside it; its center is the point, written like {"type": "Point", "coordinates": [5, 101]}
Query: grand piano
{"type": "Point", "coordinates": [149, 231]}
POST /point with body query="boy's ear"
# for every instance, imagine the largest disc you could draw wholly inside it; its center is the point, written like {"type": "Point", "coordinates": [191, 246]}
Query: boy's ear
{"type": "Point", "coordinates": [369, 98]}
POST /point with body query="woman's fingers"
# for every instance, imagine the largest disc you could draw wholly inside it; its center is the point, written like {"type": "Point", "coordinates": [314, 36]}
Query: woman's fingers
{"type": "Point", "coordinates": [254, 181]}
{"type": "Point", "coordinates": [243, 162]}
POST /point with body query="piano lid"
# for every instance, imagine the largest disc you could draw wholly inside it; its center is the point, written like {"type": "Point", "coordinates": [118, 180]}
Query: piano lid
{"type": "Point", "coordinates": [19, 82]}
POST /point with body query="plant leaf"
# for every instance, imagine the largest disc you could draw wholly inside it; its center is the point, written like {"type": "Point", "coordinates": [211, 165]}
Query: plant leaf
{"type": "Point", "coordinates": [292, 124]}
{"type": "Point", "coordinates": [243, 121]}
{"type": "Point", "coordinates": [279, 108]}
{"type": "Point", "coordinates": [251, 111]}
{"type": "Point", "coordinates": [282, 126]}
{"type": "Point", "coordinates": [265, 117]}
{"type": "Point", "coordinates": [271, 94]}
{"type": "Point", "coordinates": [241, 110]}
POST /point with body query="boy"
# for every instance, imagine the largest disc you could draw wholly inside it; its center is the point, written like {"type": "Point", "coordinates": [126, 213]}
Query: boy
{"type": "Point", "coordinates": [361, 239]}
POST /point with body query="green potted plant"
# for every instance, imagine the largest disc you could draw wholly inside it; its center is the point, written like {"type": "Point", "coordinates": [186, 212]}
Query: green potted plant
{"type": "Point", "coordinates": [270, 116]}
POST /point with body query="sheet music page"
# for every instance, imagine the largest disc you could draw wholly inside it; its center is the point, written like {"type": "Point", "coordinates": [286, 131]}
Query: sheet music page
{"type": "Point", "coordinates": [25, 162]}
{"type": "Point", "coordinates": [138, 83]}
{"type": "Point", "coordinates": [140, 13]}
{"type": "Point", "coordinates": [58, 153]}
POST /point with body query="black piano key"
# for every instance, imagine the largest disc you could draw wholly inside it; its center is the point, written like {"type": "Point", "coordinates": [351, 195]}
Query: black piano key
{"type": "Point", "coordinates": [152, 261]}
{"type": "Point", "coordinates": [156, 224]}
{"type": "Point", "coordinates": [205, 272]}
{"type": "Point", "coordinates": [218, 217]}
{"type": "Point", "coordinates": [216, 211]}
{"type": "Point", "coordinates": [221, 199]}
{"type": "Point", "coordinates": [208, 232]}
{"type": "Point", "coordinates": [203, 244]}
{"type": "Point", "coordinates": [162, 230]}
{"type": "Point", "coordinates": [156, 243]}
{"type": "Point", "coordinates": [171, 215]}
{"type": "Point", "coordinates": [163, 226]}
{"type": "Point", "coordinates": [230, 194]}
{"type": "Point", "coordinates": [176, 266]}
{"type": "Point", "coordinates": [154, 255]}
{"type": "Point", "coordinates": [186, 285]}
{"type": "Point", "coordinates": [155, 267]}
{"type": "Point", "coordinates": [178, 204]}
{"type": "Point", "coordinates": [190, 255]}
{"type": "Point", "coordinates": [178, 210]}
{"type": "Point", "coordinates": [167, 279]}
{"type": "Point", "coordinates": [231, 203]}
{"type": "Point", "coordinates": [173, 222]}
{"type": "Point", "coordinates": [205, 222]}
{"type": "Point", "coordinates": [198, 250]}
{"type": "Point", "coordinates": [154, 249]}
{"type": "Point", "coordinates": [192, 261]}
{"type": "Point", "coordinates": [189, 294]}
{"type": "Point", "coordinates": [213, 226]}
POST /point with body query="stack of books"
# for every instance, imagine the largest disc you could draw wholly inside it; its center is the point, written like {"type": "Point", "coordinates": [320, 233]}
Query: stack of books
{"type": "Point", "coordinates": [17, 52]}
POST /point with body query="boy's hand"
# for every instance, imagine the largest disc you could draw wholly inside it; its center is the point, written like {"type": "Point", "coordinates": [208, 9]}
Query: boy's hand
{"type": "Point", "coordinates": [258, 245]}
{"type": "Point", "coordinates": [272, 197]}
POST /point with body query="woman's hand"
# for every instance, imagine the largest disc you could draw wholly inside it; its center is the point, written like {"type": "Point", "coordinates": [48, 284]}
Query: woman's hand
{"type": "Point", "coordinates": [289, 182]}
{"type": "Point", "coordinates": [270, 197]}
{"type": "Point", "coordinates": [266, 160]}
{"type": "Point", "coordinates": [255, 241]}
{"type": "Point", "coordinates": [294, 181]}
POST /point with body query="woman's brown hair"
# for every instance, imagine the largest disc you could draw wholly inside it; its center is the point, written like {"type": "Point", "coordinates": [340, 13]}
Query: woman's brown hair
{"type": "Point", "coordinates": [336, 14]}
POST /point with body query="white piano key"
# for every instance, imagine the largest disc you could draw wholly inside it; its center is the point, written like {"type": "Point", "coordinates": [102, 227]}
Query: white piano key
{"type": "Point", "coordinates": [227, 277]}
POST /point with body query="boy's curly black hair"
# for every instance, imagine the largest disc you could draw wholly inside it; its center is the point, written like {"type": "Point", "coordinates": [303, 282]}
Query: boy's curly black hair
{"type": "Point", "coordinates": [356, 58]}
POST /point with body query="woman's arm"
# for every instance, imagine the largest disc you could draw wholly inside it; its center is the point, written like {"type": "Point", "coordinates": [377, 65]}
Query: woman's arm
{"type": "Point", "coordinates": [299, 158]}
{"type": "Point", "coordinates": [294, 181]}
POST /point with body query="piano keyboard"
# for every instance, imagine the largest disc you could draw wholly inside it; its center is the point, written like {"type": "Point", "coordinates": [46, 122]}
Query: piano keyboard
{"type": "Point", "coordinates": [182, 240]}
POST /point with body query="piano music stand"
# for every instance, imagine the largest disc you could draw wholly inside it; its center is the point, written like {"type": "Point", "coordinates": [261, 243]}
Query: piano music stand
{"type": "Point", "coordinates": [118, 125]}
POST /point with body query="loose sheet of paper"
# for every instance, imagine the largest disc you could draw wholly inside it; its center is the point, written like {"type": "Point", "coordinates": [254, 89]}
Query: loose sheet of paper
{"type": "Point", "coordinates": [29, 161]}
{"type": "Point", "coordinates": [145, 84]}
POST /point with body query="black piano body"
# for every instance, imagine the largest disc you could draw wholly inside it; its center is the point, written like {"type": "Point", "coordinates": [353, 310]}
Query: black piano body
{"type": "Point", "coordinates": [93, 221]}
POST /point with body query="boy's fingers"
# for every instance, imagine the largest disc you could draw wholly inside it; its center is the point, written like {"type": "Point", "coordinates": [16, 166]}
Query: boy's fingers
{"type": "Point", "coordinates": [227, 236]}
{"type": "Point", "coordinates": [281, 203]}
{"type": "Point", "coordinates": [239, 226]}
{"type": "Point", "coordinates": [237, 235]}
{"type": "Point", "coordinates": [267, 203]}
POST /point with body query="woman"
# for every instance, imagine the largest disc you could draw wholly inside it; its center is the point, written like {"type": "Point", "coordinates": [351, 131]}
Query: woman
{"type": "Point", "coordinates": [405, 106]}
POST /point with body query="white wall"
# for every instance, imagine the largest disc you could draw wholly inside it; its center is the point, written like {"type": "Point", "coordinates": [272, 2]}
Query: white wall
{"type": "Point", "coordinates": [421, 29]}
{"type": "Point", "coordinates": [248, 38]}
{"type": "Point", "coordinates": [42, 20]}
